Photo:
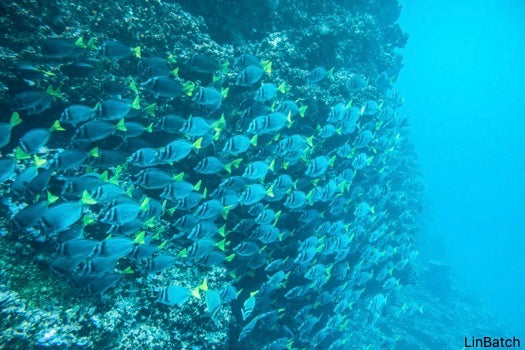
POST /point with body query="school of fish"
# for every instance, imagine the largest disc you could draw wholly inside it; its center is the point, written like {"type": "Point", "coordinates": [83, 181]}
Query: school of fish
{"type": "Point", "coordinates": [308, 211]}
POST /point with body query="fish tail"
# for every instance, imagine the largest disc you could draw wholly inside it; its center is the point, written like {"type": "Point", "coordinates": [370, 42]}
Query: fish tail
{"type": "Point", "coordinates": [302, 111]}
{"type": "Point", "coordinates": [133, 86]}
{"type": "Point", "coordinates": [121, 126]}
{"type": "Point", "coordinates": [149, 128]}
{"type": "Point", "coordinates": [331, 74]}
{"type": "Point", "coordinates": [267, 66]}
{"type": "Point", "coordinates": [150, 109]}
{"type": "Point", "coordinates": [136, 103]}
{"type": "Point", "coordinates": [253, 140]}
{"type": "Point", "coordinates": [91, 44]}
{"type": "Point", "coordinates": [56, 126]}
{"type": "Point", "coordinates": [15, 119]}
{"type": "Point", "coordinates": [136, 51]}
{"type": "Point", "coordinates": [224, 92]}
{"type": "Point", "coordinates": [197, 144]}
{"type": "Point", "coordinates": [188, 88]}
{"type": "Point", "coordinates": [80, 43]}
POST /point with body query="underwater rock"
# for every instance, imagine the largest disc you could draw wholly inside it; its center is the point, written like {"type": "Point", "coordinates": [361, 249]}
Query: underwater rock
{"type": "Point", "coordinates": [300, 231]}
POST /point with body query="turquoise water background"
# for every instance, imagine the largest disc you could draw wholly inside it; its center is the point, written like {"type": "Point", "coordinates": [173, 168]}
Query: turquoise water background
{"type": "Point", "coordinates": [464, 86]}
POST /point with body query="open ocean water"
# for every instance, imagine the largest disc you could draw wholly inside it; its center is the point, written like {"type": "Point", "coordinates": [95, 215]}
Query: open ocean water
{"type": "Point", "coordinates": [270, 174]}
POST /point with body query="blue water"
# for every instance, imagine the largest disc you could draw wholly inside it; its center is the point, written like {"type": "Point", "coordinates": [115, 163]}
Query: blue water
{"type": "Point", "coordinates": [463, 83]}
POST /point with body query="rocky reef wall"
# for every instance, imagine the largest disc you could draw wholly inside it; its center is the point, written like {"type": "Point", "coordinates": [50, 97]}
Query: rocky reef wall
{"type": "Point", "coordinates": [360, 39]}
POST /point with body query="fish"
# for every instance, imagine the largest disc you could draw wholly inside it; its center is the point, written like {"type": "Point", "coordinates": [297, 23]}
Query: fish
{"type": "Point", "coordinates": [29, 72]}
{"type": "Point", "coordinates": [361, 160]}
{"type": "Point", "coordinates": [345, 151]}
{"type": "Point", "coordinates": [256, 261]}
{"type": "Point", "coordinates": [19, 185]}
{"type": "Point", "coordinates": [80, 68]}
{"type": "Point", "coordinates": [199, 248]}
{"type": "Point", "coordinates": [267, 124]}
{"type": "Point", "coordinates": [294, 143]}
{"type": "Point", "coordinates": [283, 183]}
{"type": "Point", "coordinates": [362, 209]}
{"type": "Point", "coordinates": [363, 139]}
{"type": "Point", "coordinates": [134, 129]}
{"type": "Point", "coordinates": [39, 184]}
{"type": "Point", "coordinates": [104, 158]}
{"type": "Point", "coordinates": [308, 324]}
{"type": "Point", "coordinates": [28, 216]}
{"type": "Point", "coordinates": [142, 251]}
{"type": "Point", "coordinates": [153, 178]}
{"type": "Point", "coordinates": [32, 101]}
{"type": "Point", "coordinates": [250, 75]}
{"type": "Point", "coordinates": [144, 157]}
{"type": "Point", "coordinates": [247, 59]}
{"type": "Point", "coordinates": [176, 150]}
{"type": "Point", "coordinates": [318, 74]}
{"type": "Point", "coordinates": [113, 247]}
{"type": "Point", "coordinates": [296, 200]}
{"type": "Point", "coordinates": [178, 190]}
{"type": "Point", "coordinates": [203, 229]}
{"type": "Point", "coordinates": [60, 217]}
{"type": "Point", "coordinates": [114, 109]}
{"type": "Point", "coordinates": [204, 64]}
{"type": "Point", "coordinates": [246, 248]}
{"type": "Point", "coordinates": [227, 294]}
{"type": "Point", "coordinates": [266, 234]}
{"type": "Point", "coordinates": [370, 108]}
{"type": "Point", "coordinates": [77, 114]}
{"type": "Point", "coordinates": [121, 213]}
{"type": "Point", "coordinates": [96, 130]}
{"type": "Point", "coordinates": [239, 144]}
{"type": "Point", "coordinates": [76, 249]}
{"type": "Point", "coordinates": [7, 169]}
{"type": "Point", "coordinates": [318, 166]}
{"type": "Point", "coordinates": [74, 186]}
{"type": "Point", "coordinates": [254, 193]}
{"type": "Point", "coordinates": [248, 307]}
{"type": "Point", "coordinates": [34, 140]}
{"type": "Point", "coordinates": [290, 107]}
{"type": "Point", "coordinates": [5, 129]}
{"type": "Point", "coordinates": [209, 165]}
{"type": "Point", "coordinates": [296, 292]}
{"type": "Point", "coordinates": [105, 193]}
{"type": "Point", "coordinates": [328, 131]}
{"type": "Point", "coordinates": [115, 50]}
{"type": "Point", "coordinates": [247, 329]}
{"type": "Point", "coordinates": [159, 263]}
{"type": "Point", "coordinates": [196, 127]}
{"type": "Point", "coordinates": [173, 295]}
{"type": "Point", "coordinates": [158, 69]}
{"type": "Point", "coordinates": [305, 255]}
{"type": "Point", "coordinates": [209, 97]}
{"type": "Point", "coordinates": [266, 216]}
{"type": "Point", "coordinates": [386, 113]}
{"type": "Point", "coordinates": [210, 210]}
{"type": "Point", "coordinates": [170, 123]}
{"type": "Point", "coordinates": [60, 48]}
{"type": "Point", "coordinates": [255, 110]}
{"type": "Point", "coordinates": [337, 113]}
{"type": "Point", "coordinates": [166, 87]}
{"type": "Point", "coordinates": [268, 92]}
{"type": "Point", "coordinates": [96, 266]}
{"type": "Point", "coordinates": [101, 284]}
{"type": "Point", "coordinates": [258, 170]}
{"type": "Point", "coordinates": [189, 202]}
{"type": "Point", "coordinates": [213, 304]}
